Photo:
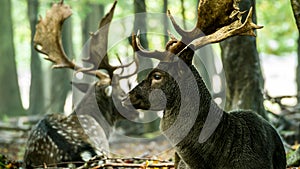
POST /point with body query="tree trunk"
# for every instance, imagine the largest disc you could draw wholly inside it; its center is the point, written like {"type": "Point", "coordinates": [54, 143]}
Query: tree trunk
{"type": "Point", "coordinates": [166, 21]}
{"type": "Point", "coordinates": [60, 83]}
{"type": "Point", "coordinates": [183, 14]}
{"type": "Point", "coordinates": [140, 23]}
{"type": "Point", "coordinates": [242, 70]}
{"type": "Point", "coordinates": [36, 86]}
{"type": "Point", "coordinates": [10, 98]}
{"type": "Point", "coordinates": [91, 21]}
{"type": "Point", "coordinates": [296, 10]}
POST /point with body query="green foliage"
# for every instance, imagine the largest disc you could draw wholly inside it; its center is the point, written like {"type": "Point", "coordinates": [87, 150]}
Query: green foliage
{"type": "Point", "coordinates": [279, 34]}
{"type": "Point", "coordinates": [293, 157]}
{"type": "Point", "coordinates": [2, 161]}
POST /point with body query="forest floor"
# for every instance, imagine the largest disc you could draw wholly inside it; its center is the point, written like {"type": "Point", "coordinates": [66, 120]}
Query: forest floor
{"type": "Point", "coordinates": [157, 148]}
{"type": "Point", "coordinates": [13, 147]}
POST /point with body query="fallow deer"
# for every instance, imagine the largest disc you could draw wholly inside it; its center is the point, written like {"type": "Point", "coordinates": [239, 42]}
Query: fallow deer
{"type": "Point", "coordinates": [58, 139]}
{"type": "Point", "coordinates": [204, 135]}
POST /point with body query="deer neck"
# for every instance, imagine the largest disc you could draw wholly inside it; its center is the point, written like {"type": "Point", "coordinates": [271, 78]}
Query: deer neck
{"type": "Point", "coordinates": [185, 117]}
{"type": "Point", "coordinates": [108, 110]}
{"type": "Point", "coordinates": [101, 110]}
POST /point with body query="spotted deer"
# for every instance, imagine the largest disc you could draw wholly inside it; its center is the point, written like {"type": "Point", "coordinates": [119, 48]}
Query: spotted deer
{"type": "Point", "coordinates": [58, 139]}
{"type": "Point", "coordinates": [204, 135]}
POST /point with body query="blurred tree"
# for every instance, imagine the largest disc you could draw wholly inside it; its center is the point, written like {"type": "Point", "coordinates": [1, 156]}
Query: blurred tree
{"type": "Point", "coordinates": [91, 19]}
{"type": "Point", "coordinates": [296, 10]}
{"type": "Point", "coordinates": [183, 14]}
{"type": "Point", "coordinates": [60, 78]}
{"type": "Point", "coordinates": [36, 86]}
{"type": "Point", "coordinates": [166, 19]}
{"type": "Point", "coordinates": [10, 100]}
{"type": "Point", "coordinates": [242, 70]}
{"type": "Point", "coordinates": [140, 23]}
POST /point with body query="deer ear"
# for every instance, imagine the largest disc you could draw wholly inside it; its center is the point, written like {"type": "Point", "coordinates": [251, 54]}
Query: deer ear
{"type": "Point", "coordinates": [83, 87]}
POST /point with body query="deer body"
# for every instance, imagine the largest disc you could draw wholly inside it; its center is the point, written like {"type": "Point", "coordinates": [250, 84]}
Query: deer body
{"type": "Point", "coordinates": [58, 138]}
{"type": "Point", "coordinates": [242, 139]}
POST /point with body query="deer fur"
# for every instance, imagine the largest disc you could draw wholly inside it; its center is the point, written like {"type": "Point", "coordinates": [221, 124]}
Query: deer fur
{"type": "Point", "coordinates": [241, 140]}
{"type": "Point", "coordinates": [58, 138]}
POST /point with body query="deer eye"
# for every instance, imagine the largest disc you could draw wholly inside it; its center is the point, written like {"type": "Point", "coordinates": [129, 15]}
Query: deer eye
{"type": "Point", "coordinates": [157, 76]}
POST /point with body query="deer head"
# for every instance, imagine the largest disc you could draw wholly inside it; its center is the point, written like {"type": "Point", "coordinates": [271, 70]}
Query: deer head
{"type": "Point", "coordinates": [47, 40]}
{"type": "Point", "coordinates": [174, 85]}
{"type": "Point", "coordinates": [216, 21]}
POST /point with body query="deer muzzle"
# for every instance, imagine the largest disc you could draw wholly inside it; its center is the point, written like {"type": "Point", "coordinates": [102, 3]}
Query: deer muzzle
{"type": "Point", "coordinates": [141, 98]}
{"type": "Point", "coordinates": [136, 101]}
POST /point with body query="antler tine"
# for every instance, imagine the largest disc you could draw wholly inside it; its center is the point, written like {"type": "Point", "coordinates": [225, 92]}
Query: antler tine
{"type": "Point", "coordinates": [47, 39]}
{"type": "Point", "coordinates": [105, 65]}
{"type": "Point", "coordinates": [217, 20]}
{"type": "Point", "coordinates": [98, 45]}
{"type": "Point", "coordinates": [187, 36]}
{"type": "Point", "coordinates": [122, 66]}
{"type": "Point", "coordinates": [212, 16]}
{"type": "Point", "coordinates": [137, 47]}
{"type": "Point", "coordinates": [235, 28]}
{"type": "Point", "coordinates": [120, 61]}
{"type": "Point", "coordinates": [178, 29]}
{"type": "Point", "coordinates": [136, 61]}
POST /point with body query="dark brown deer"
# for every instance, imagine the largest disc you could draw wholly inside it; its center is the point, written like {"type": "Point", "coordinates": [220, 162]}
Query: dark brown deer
{"type": "Point", "coordinates": [204, 135]}
{"type": "Point", "coordinates": [58, 139]}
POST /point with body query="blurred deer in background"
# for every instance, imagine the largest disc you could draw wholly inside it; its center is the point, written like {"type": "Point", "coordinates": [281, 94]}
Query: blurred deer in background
{"type": "Point", "coordinates": [204, 135]}
{"type": "Point", "coordinates": [59, 139]}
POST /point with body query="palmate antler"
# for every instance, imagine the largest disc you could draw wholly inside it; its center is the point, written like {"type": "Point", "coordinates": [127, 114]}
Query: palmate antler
{"type": "Point", "coordinates": [47, 40]}
{"type": "Point", "coordinates": [217, 21]}
{"type": "Point", "coordinates": [235, 28]}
